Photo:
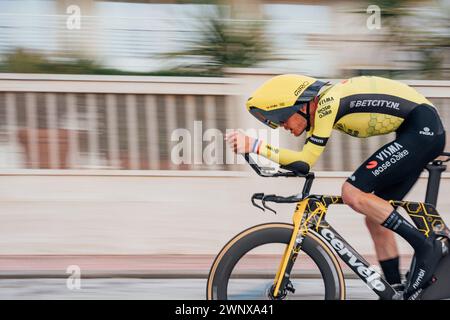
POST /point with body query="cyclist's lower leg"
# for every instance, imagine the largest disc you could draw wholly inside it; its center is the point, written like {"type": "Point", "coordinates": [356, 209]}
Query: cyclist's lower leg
{"type": "Point", "coordinates": [386, 250]}
{"type": "Point", "coordinates": [428, 251]}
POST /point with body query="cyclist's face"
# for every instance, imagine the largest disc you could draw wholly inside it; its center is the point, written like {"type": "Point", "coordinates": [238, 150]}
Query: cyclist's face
{"type": "Point", "coordinates": [296, 124]}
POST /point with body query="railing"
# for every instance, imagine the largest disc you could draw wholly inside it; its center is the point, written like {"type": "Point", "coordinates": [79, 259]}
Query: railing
{"type": "Point", "coordinates": [58, 122]}
{"type": "Point", "coordinates": [104, 122]}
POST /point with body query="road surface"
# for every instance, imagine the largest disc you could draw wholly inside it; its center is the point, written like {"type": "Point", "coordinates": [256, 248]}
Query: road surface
{"type": "Point", "coordinates": [129, 288]}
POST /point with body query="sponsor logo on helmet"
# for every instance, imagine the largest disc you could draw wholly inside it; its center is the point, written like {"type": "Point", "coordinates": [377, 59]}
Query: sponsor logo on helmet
{"type": "Point", "coordinates": [301, 88]}
{"type": "Point", "coordinates": [372, 164]}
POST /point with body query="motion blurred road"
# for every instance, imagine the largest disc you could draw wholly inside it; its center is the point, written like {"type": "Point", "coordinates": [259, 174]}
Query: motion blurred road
{"type": "Point", "coordinates": [121, 288]}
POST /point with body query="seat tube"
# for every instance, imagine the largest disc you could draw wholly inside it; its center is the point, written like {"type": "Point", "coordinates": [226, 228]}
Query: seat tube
{"type": "Point", "coordinates": [435, 170]}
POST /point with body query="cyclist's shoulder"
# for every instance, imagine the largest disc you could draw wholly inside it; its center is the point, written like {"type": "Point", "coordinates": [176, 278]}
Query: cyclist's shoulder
{"type": "Point", "coordinates": [366, 84]}
{"type": "Point", "coordinates": [373, 88]}
{"type": "Point", "coordinates": [374, 85]}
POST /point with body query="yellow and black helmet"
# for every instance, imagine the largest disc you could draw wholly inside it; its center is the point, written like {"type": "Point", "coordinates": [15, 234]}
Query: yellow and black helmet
{"type": "Point", "coordinates": [282, 96]}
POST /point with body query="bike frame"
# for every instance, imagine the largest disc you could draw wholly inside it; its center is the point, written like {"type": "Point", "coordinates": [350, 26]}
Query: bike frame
{"type": "Point", "coordinates": [310, 215]}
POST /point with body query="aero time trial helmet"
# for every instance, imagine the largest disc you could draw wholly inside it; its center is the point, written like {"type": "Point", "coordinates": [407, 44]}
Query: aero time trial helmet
{"type": "Point", "coordinates": [282, 96]}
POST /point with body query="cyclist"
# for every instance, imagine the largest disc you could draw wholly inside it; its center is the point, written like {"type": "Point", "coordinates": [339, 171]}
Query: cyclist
{"type": "Point", "coordinates": [361, 107]}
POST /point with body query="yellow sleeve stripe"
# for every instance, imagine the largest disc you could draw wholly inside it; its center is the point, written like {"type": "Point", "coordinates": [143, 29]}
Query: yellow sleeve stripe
{"type": "Point", "coordinates": [309, 154]}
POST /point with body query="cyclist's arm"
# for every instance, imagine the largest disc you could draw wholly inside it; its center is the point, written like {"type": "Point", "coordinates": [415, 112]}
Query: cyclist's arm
{"type": "Point", "coordinates": [309, 154]}
{"type": "Point", "coordinates": [315, 143]}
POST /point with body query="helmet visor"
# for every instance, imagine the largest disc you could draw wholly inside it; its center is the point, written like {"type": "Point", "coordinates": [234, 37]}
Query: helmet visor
{"type": "Point", "coordinates": [274, 118]}
{"type": "Point", "coordinates": [258, 114]}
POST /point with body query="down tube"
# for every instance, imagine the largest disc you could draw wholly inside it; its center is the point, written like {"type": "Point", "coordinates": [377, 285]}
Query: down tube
{"type": "Point", "coordinates": [357, 263]}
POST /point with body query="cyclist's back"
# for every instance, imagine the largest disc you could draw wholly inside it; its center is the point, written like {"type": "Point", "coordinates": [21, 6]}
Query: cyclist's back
{"type": "Point", "coordinates": [367, 106]}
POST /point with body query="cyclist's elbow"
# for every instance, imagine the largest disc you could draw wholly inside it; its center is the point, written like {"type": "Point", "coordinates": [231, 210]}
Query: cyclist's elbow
{"type": "Point", "coordinates": [297, 167]}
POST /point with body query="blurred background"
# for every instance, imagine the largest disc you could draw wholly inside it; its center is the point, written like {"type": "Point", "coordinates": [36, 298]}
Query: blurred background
{"type": "Point", "coordinates": [76, 121]}
{"type": "Point", "coordinates": [93, 95]}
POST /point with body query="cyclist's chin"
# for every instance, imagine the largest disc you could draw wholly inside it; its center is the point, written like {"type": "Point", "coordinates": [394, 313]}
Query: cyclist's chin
{"type": "Point", "coordinates": [296, 133]}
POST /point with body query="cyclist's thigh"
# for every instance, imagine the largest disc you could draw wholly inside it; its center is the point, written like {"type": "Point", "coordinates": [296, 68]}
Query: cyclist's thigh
{"type": "Point", "coordinates": [400, 162]}
{"type": "Point", "coordinates": [398, 190]}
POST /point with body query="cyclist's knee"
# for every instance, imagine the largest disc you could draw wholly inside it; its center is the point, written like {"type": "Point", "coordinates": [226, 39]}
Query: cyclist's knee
{"type": "Point", "coordinates": [352, 196]}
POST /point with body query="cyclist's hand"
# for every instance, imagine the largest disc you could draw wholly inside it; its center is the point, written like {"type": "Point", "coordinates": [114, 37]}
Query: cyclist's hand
{"type": "Point", "coordinates": [239, 142]}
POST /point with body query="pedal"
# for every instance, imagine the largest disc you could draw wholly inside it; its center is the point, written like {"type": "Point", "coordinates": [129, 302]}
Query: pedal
{"type": "Point", "coordinates": [290, 287]}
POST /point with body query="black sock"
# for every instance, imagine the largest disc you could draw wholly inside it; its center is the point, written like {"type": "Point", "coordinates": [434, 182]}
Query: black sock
{"type": "Point", "coordinates": [391, 270]}
{"type": "Point", "coordinates": [403, 228]}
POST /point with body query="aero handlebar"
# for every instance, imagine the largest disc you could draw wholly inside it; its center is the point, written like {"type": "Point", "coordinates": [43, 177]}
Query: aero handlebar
{"type": "Point", "coordinates": [264, 172]}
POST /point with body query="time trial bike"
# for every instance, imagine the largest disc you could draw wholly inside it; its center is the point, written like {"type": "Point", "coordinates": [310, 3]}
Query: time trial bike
{"type": "Point", "coordinates": [311, 239]}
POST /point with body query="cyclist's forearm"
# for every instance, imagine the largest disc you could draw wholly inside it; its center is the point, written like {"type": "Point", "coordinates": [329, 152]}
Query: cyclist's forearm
{"type": "Point", "coordinates": [282, 156]}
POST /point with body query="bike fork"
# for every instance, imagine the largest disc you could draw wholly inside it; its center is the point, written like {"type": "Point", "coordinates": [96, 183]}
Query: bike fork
{"type": "Point", "coordinates": [291, 252]}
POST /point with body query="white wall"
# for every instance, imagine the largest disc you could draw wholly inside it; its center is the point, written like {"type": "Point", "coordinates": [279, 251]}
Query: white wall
{"type": "Point", "coordinates": [137, 214]}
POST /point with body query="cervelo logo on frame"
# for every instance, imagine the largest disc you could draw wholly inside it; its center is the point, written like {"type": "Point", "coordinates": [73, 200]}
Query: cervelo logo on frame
{"type": "Point", "coordinates": [371, 277]}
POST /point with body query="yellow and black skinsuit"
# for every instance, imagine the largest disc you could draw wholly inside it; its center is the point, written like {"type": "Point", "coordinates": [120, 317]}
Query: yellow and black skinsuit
{"type": "Point", "coordinates": [368, 106]}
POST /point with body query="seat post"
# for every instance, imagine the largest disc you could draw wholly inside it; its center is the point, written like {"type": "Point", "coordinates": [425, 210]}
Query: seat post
{"type": "Point", "coordinates": [435, 170]}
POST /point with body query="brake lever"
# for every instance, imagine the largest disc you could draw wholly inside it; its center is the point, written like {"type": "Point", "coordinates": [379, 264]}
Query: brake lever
{"type": "Point", "coordinates": [263, 201]}
{"type": "Point", "coordinates": [258, 196]}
